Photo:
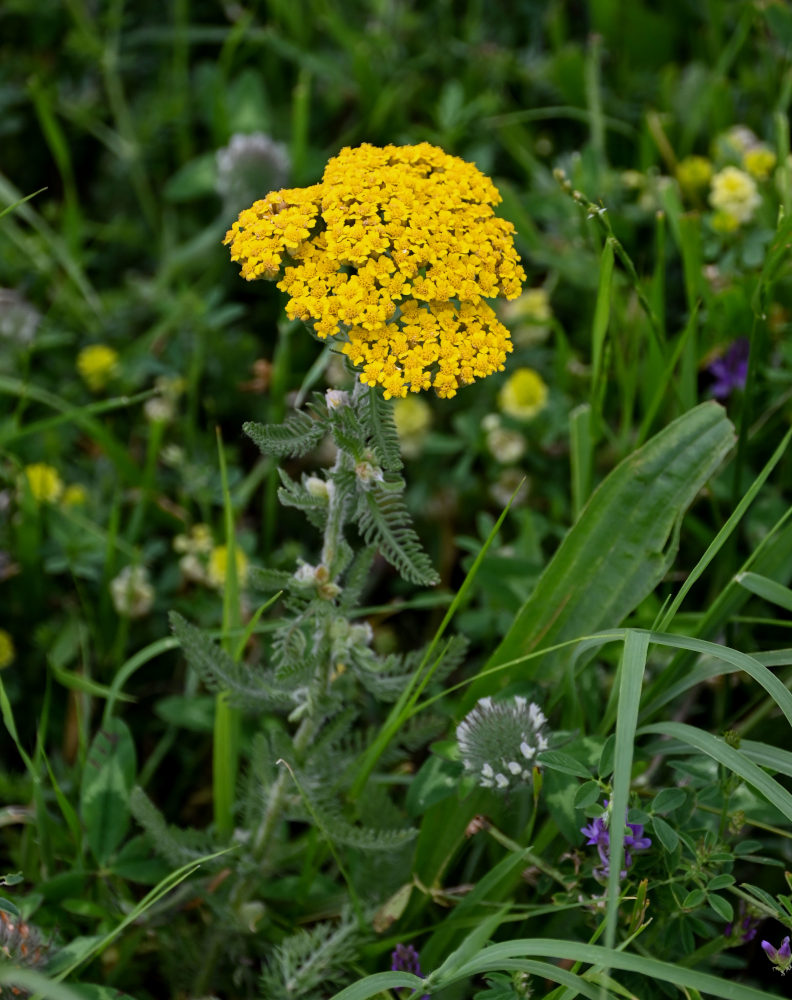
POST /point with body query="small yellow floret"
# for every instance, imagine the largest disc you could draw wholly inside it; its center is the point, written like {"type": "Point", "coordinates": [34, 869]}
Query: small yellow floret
{"type": "Point", "coordinates": [97, 364]}
{"type": "Point", "coordinates": [694, 173]}
{"type": "Point", "coordinates": [734, 192]}
{"type": "Point", "coordinates": [759, 162]}
{"type": "Point", "coordinates": [523, 395]}
{"type": "Point", "coordinates": [391, 255]}
{"type": "Point", "coordinates": [74, 495]}
{"type": "Point", "coordinates": [7, 651]}
{"type": "Point", "coordinates": [217, 569]}
{"type": "Point", "coordinates": [44, 483]}
{"type": "Point", "coordinates": [724, 222]}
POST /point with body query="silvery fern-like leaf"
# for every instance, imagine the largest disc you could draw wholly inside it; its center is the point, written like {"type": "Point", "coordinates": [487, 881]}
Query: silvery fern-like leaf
{"type": "Point", "coordinates": [177, 847]}
{"type": "Point", "coordinates": [305, 963]}
{"type": "Point", "coordinates": [384, 521]}
{"type": "Point", "coordinates": [297, 435]}
{"type": "Point", "coordinates": [376, 416]}
{"type": "Point", "coordinates": [247, 687]}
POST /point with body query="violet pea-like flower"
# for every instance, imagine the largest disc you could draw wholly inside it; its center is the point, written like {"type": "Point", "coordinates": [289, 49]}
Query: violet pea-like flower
{"type": "Point", "coordinates": [598, 836]}
{"type": "Point", "coordinates": [781, 957]}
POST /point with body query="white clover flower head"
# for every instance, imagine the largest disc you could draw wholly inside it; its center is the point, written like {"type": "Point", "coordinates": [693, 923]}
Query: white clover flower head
{"type": "Point", "coordinates": [19, 321]}
{"type": "Point", "coordinates": [499, 741]}
{"type": "Point", "coordinates": [132, 592]}
{"type": "Point", "coordinates": [159, 410]}
{"type": "Point", "coordinates": [734, 193]}
{"type": "Point", "coordinates": [505, 445]}
{"type": "Point", "coordinates": [248, 167]}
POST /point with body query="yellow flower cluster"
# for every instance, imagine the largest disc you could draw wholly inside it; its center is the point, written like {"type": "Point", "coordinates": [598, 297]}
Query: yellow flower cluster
{"type": "Point", "coordinates": [43, 481]}
{"type": "Point", "coordinates": [734, 193]}
{"type": "Point", "coordinates": [392, 255]}
{"type": "Point", "coordinates": [524, 394]}
{"type": "Point", "coordinates": [7, 652]}
{"type": "Point", "coordinates": [97, 364]}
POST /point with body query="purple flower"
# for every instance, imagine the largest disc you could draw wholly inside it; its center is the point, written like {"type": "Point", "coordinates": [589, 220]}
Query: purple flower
{"type": "Point", "coordinates": [731, 369]}
{"type": "Point", "coordinates": [745, 925]}
{"type": "Point", "coordinates": [405, 959]}
{"type": "Point", "coordinates": [598, 836]}
{"type": "Point", "coordinates": [780, 957]}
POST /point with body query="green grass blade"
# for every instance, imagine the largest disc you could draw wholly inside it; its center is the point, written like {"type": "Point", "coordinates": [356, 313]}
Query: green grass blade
{"type": "Point", "coordinates": [225, 747]}
{"type": "Point", "coordinates": [770, 590]}
{"type": "Point", "coordinates": [160, 890]}
{"type": "Point", "coordinates": [733, 760]}
{"type": "Point", "coordinates": [374, 985]}
{"type": "Point", "coordinates": [719, 540]}
{"type": "Point", "coordinates": [633, 664]}
{"type": "Point", "coordinates": [599, 330]}
{"type": "Point", "coordinates": [778, 760]}
{"type": "Point", "coordinates": [576, 951]}
{"type": "Point", "coordinates": [739, 661]}
{"type": "Point", "coordinates": [581, 448]}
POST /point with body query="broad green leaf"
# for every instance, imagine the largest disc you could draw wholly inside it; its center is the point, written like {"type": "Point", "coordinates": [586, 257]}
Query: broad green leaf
{"type": "Point", "coordinates": [106, 784]}
{"type": "Point", "coordinates": [557, 760]}
{"type": "Point", "coordinates": [620, 547]}
{"type": "Point", "coordinates": [436, 780]}
{"type": "Point", "coordinates": [666, 834]}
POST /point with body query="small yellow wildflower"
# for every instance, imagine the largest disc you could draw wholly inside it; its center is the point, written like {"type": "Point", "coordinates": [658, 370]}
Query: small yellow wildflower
{"type": "Point", "coordinates": [523, 395]}
{"type": "Point", "coordinates": [693, 174]}
{"type": "Point", "coordinates": [97, 364]}
{"type": "Point", "coordinates": [413, 417]}
{"type": "Point", "coordinates": [392, 255]}
{"type": "Point", "coordinates": [218, 566]}
{"type": "Point", "coordinates": [75, 495]}
{"type": "Point", "coordinates": [43, 481]}
{"type": "Point", "coordinates": [7, 651]}
{"type": "Point", "coordinates": [724, 222]}
{"type": "Point", "coordinates": [734, 192]}
{"type": "Point", "coordinates": [759, 162]}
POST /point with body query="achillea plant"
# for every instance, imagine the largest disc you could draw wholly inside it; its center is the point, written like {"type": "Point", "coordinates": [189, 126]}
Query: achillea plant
{"type": "Point", "coordinates": [391, 257]}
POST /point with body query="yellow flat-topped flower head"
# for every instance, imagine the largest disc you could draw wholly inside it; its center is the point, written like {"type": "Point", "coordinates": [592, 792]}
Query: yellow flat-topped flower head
{"type": "Point", "coordinates": [523, 395]}
{"type": "Point", "coordinates": [734, 193]}
{"type": "Point", "coordinates": [218, 566]}
{"type": "Point", "coordinates": [392, 255]}
{"type": "Point", "coordinates": [97, 364]}
{"type": "Point", "coordinates": [7, 652]}
{"type": "Point", "coordinates": [43, 481]}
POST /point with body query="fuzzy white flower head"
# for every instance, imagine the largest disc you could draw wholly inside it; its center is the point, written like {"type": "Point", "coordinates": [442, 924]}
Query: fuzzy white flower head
{"type": "Point", "coordinates": [499, 741]}
{"type": "Point", "coordinates": [132, 592]}
{"type": "Point", "coordinates": [734, 192]}
{"type": "Point", "coordinates": [18, 319]}
{"type": "Point", "coordinates": [248, 167]}
{"type": "Point", "coordinates": [505, 445]}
